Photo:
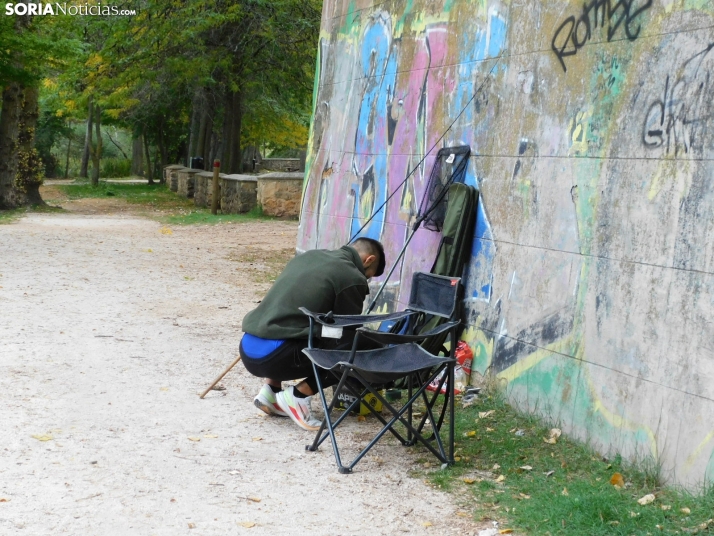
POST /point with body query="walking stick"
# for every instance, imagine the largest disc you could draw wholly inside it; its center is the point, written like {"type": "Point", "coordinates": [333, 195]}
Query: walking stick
{"type": "Point", "coordinates": [220, 377]}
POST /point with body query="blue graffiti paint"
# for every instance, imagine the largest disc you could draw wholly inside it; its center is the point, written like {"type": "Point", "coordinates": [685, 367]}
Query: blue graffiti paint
{"type": "Point", "coordinates": [369, 164]}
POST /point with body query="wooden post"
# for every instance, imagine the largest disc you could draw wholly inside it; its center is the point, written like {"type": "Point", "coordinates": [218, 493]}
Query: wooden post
{"type": "Point", "coordinates": [214, 199]}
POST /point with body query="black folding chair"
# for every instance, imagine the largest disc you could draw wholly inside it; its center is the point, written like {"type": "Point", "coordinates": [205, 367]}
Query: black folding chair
{"type": "Point", "coordinates": [400, 357]}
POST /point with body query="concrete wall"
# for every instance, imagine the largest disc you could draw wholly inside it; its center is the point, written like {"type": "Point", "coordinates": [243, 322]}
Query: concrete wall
{"type": "Point", "coordinates": [590, 290]}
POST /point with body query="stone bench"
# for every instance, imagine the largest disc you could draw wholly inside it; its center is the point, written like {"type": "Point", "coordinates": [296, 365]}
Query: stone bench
{"type": "Point", "coordinates": [168, 170]}
{"type": "Point", "coordinates": [186, 181]}
{"type": "Point", "coordinates": [238, 193]}
{"type": "Point", "coordinates": [203, 188]}
{"type": "Point", "coordinates": [280, 194]}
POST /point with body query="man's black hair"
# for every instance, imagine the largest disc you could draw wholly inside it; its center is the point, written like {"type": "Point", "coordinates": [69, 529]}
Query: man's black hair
{"type": "Point", "coordinates": [374, 247]}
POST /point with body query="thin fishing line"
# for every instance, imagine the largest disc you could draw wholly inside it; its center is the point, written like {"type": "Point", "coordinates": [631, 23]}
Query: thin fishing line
{"type": "Point", "coordinates": [478, 90]}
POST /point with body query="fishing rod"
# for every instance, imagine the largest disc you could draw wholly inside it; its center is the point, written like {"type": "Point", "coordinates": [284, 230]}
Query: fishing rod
{"type": "Point", "coordinates": [377, 211]}
{"type": "Point", "coordinates": [423, 217]}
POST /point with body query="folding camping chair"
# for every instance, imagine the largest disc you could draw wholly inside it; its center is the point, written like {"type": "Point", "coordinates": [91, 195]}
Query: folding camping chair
{"type": "Point", "coordinates": [399, 357]}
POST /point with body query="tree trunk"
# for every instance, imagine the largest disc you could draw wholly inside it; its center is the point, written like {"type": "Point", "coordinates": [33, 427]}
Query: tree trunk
{"type": "Point", "coordinates": [9, 123]}
{"type": "Point", "coordinates": [207, 144]}
{"type": "Point", "coordinates": [69, 146]}
{"type": "Point", "coordinates": [30, 169]}
{"type": "Point", "coordinates": [162, 151]}
{"type": "Point", "coordinates": [227, 123]}
{"type": "Point", "coordinates": [149, 174]}
{"type": "Point", "coordinates": [196, 109]}
{"type": "Point", "coordinates": [97, 153]}
{"type": "Point", "coordinates": [202, 133]}
{"type": "Point", "coordinates": [235, 158]}
{"type": "Point", "coordinates": [137, 160]}
{"type": "Point", "coordinates": [87, 141]}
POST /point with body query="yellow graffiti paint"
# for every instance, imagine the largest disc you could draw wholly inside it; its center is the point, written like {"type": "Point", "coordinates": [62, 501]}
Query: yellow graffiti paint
{"type": "Point", "coordinates": [578, 128]}
{"type": "Point", "coordinates": [482, 346]}
{"type": "Point", "coordinates": [694, 455]}
{"type": "Point", "coordinates": [521, 367]}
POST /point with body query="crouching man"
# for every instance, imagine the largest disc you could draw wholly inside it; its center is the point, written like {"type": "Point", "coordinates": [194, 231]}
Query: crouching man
{"type": "Point", "coordinates": [276, 332]}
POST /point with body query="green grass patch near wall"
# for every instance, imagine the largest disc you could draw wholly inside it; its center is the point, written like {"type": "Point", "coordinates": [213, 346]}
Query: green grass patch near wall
{"type": "Point", "coordinates": [166, 205]}
{"type": "Point", "coordinates": [513, 469]}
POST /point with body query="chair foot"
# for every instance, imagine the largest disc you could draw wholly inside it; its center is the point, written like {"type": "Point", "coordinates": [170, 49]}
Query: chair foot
{"type": "Point", "coordinates": [310, 448]}
{"type": "Point", "coordinates": [344, 470]}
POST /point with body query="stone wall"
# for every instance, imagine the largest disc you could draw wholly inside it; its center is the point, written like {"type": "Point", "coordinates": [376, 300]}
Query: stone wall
{"type": "Point", "coordinates": [186, 181]}
{"type": "Point", "coordinates": [279, 194]}
{"type": "Point", "coordinates": [238, 193]}
{"type": "Point", "coordinates": [168, 170]}
{"type": "Point", "coordinates": [282, 164]}
{"type": "Point", "coordinates": [203, 188]}
{"type": "Point", "coordinates": [590, 290]}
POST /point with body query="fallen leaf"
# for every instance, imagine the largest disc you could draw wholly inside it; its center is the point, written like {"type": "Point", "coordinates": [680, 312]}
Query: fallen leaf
{"type": "Point", "coordinates": [164, 389]}
{"type": "Point", "coordinates": [505, 531]}
{"type": "Point", "coordinates": [555, 432]}
{"type": "Point", "coordinates": [463, 514]}
{"type": "Point", "coordinates": [149, 251]}
{"type": "Point", "coordinates": [647, 499]}
{"type": "Point", "coordinates": [43, 437]}
{"type": "Point", "coordinates": [166, 230]}
{"type": "Point", "coordinates": [549, 473]}
{"type": "Point", "coordinates": [427, 524]}
{"type": "Point", "coordinates": [565, 492]}
{"type": "Point", "coordinates": [526, 468]}
{"type": "Point", "coordinates": [469, 480]}
{"type": "Point", "coordinates": [489, 429]}
{"type": "Point", "coordinates": [247, 524]}
{"type": "Point", "coordinates": [257, 439]}
{"type": "Point", "coordinates": [634, 514]}
{"type": "Point", "coordinates": [484, 414]}
{"type": "Point", "coordinates": [550, 441]}
{"type": "Point", "coordinates": [3, 499]}
{"type": "Point", "coordinates": [472, 433]}
{"type": "Point", "coordinates": [686, 511]}
{"type": "Point", "coordinates": [614, 523]}
{"type": "Point", "coordinates": [501, 478]}
{"type": "Point", "coordinates": [457, 458]}
{"type": "Point", "coordinates": [210, 436]}
{"type": "Point", "coordinates": [194, 439]}
{"type": "Point", "coordinates": [617, 480]}
{"type": "Point", "coordinates": [666, 507]}
{"type": "Point", "coordinates": [361, 418]}
{"type": "Point", "coordinates": [192, 525]}
{"type": "Point", "coordinates": [495, 467]}
{"type": "Point", "coordinates": [254, 499]}
{"type": "Point", "coordinates": [524, 496]}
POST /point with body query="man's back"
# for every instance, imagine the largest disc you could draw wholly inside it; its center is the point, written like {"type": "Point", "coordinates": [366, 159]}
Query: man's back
{"type": "Point", "coordinates": [320, 280]}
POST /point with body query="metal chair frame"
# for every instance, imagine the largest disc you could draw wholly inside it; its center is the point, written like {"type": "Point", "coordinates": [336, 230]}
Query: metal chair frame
{"type": "Point", "coordinates": [427, 368]}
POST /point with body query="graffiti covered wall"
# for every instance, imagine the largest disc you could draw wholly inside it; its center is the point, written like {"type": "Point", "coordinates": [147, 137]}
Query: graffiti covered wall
{"type": "Point", "coordinates": [590, 290]}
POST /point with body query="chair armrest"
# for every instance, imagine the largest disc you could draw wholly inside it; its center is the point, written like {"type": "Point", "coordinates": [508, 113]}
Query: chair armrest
{"type": "Point", "coordinates": [345, 321]}
{"type": "Point", "coordinates": [395, 338]}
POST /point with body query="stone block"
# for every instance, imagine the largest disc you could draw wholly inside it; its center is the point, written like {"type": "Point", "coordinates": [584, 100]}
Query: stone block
{"type": "Point", "coordinates": [238, 193]}
{"type": "Point", "coordinates": [169, 169]}
{"type": "Point", "coordinates": [186, 182]}
{"type": "Point", "coordinates": [282, 164]}
{"type": "Point", "coordinates": [280, 194]}
{"type": "Point", "coordinates": [172, 180]}
{"type": "Point", "coordinates": [203, 188]}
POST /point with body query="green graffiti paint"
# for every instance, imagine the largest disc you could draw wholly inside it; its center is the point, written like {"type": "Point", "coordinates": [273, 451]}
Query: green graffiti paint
{"type": "Point", "coordinates": [351, 19]}
{"type": "Point", "coordinates": [709, 473]}
{"type": "Point", "coordinates": [559, 382]}
{"type": "Point", "coordinates": [399, 26]}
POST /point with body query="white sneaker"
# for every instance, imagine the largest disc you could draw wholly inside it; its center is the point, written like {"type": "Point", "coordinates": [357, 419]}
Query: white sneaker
{"type": "Point", "coordinates": [298, 409]}
{"type": "Point", "coordinates": [265, 401]}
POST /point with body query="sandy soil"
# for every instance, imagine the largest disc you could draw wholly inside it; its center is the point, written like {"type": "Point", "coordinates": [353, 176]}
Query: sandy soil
{"type": "Point", "coordinates": [113, 324]}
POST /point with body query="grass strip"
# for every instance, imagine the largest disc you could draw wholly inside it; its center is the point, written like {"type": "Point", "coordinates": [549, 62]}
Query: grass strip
{"type": "Point", "coordinates": [171, 208]}
{"type": "Point", "coordinates": [511, 474]}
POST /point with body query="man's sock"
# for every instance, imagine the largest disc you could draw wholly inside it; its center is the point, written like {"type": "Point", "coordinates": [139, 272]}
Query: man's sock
{"type": "Point", "coordinates": [298, 394]}
{"type": "Point", "coordinates": [275, 389]}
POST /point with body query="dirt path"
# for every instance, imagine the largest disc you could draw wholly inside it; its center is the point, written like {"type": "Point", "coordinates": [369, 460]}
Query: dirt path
{"type": "Point", "coordinates": [112, 326]}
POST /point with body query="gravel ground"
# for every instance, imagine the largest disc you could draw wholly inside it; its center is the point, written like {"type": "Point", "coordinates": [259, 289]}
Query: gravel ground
{"type": "Point", "coordinates": [113, 324]}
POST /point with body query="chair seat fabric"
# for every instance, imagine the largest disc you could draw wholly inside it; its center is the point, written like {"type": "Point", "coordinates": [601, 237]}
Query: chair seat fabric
{"type": "Point", "coordinates": [381, 365]}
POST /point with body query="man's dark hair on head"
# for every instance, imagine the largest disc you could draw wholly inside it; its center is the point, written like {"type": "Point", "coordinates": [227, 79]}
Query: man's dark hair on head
{"type": "Point", "coordinates": [371, 247]}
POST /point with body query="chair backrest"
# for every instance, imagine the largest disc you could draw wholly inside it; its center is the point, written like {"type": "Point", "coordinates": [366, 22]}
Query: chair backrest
{"type": "Point", "coordinates": [434, 294]}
